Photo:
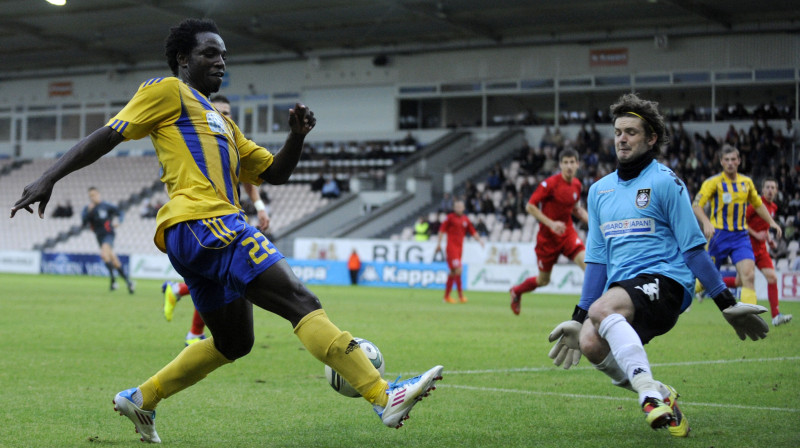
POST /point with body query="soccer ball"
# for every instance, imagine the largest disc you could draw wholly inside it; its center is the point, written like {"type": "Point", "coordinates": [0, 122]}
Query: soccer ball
{"type": "Point", "coordinates": [343, 387]}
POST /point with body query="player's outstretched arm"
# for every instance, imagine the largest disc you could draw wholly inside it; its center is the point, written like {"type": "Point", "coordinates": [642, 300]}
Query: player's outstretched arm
{"type": "Point", "coordinates": [261, 210]}
{"type": "Point", "coordinates": [762, 212]}
{"type": "Point", "coordinates": [567, 350]}
{"type": "Point", "coordinates": [84, 153]}
{"type": "Point", "coordinates": [743, 317]}
{"type": "Point", "coordinates": [702, 219]}
{"type": "Point", "coordinates": [301, 122]}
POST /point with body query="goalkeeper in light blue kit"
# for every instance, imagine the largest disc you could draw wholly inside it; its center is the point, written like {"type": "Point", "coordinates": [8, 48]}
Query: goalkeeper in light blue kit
{"type": "Point", "coordinates": [644, 249]}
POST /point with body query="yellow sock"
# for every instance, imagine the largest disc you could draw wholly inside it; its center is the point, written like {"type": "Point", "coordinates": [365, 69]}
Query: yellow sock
{"type": "Point", "coordinates": [337, 349]}
{"type": "Point", "coordinates": [190, 366]}
{"type": "Point", "coordinates": [698, 287]}
{"type": "Point", "coordinates": [748, 295]}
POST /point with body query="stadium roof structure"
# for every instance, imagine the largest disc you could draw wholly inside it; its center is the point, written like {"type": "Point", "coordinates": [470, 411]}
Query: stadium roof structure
{"type": "Point", "coordinates": [37, 38]}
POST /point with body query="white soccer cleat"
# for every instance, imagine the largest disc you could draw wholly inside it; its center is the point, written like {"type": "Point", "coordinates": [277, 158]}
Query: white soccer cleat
{"type": "Point", "coordinates": [404, 395]}
{"type": "Point", "coordinates": [781, 319]}
{"type": "Point", "coordinates": [145, 421]}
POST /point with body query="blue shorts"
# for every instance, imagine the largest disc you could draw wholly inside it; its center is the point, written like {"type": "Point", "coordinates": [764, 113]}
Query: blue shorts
{"type": "Point", "coordinates": [218, 257]}
{"type": "Point", "coordinates": [103, 238]}
{"type": "Point", "coordinates": [734, 244]}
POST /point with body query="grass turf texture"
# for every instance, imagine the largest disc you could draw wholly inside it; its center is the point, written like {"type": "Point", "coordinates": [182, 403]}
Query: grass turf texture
{"type": "Point", "coordinates": [69, 345]}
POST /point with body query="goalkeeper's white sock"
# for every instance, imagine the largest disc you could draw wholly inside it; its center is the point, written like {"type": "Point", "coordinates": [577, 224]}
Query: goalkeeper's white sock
{"type": "Point", "coordinates": [629, 352]}
{"type": "Point", "coordinates": [610, 367]}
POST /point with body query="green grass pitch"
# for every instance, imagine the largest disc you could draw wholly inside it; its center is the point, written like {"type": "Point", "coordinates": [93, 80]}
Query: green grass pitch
{"type": "Point", "coordinates": [68, 345]}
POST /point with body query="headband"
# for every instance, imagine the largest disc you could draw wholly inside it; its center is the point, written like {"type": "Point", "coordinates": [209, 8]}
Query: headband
{"type": "Point", "coordinates": [643, 119]}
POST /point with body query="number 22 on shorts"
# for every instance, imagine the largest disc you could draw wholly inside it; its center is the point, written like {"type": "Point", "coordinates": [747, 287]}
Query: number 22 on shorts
{"type": "Point", "coordinates": [255, 248]}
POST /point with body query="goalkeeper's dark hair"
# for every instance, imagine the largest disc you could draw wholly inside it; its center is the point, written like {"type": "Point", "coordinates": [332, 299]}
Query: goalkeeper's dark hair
{"type": "Point", "coordinates": [183, 38]}
{"type": "Point", "coordinates": [630, 105]}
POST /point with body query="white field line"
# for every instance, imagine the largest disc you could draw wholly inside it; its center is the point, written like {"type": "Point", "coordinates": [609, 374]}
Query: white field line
{"type": "Point", "coordinates": [589, 367]}
{"type": "Point", "coordinates": [603, 397]}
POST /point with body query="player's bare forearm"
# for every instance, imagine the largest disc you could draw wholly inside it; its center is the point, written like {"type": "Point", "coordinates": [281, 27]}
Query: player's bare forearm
{"type": "Point", "coordinates": [536, 213]}
{"type": "Point", "coordinates": [285, 160]}
{"type": "Point", "coordinates": [762, 211]}
{"type": "Point", "coordinates": [252, 191]}
{"type": "Point", "coordinates": [301, 122]}
{"type": "Point", "coordinates": [84, 153]}
{"type": "Point", "coordinates": [580, 213]}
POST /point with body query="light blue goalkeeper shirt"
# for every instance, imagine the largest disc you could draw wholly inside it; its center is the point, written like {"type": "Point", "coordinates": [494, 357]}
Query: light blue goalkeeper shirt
{"type": "Point", "coordinates": [642, 226]}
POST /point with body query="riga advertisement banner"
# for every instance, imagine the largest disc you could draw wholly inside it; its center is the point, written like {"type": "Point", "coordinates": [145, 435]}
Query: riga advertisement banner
{"type": "Point", "coordinates": [388, 251]}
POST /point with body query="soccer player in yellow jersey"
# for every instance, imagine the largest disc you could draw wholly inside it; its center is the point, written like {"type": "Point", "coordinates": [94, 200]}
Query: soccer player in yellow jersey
{"type": "Point", "coordinates": [228, 264]}
{"type": "Point", "coordinates": [728, 194]}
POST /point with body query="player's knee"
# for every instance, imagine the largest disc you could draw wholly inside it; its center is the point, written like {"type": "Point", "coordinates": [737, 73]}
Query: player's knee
{"type": "Point", "coordinates": [590, 346]}
{"type": "Point", "coordinates": [236, 348]}
{"type": "Point", "coordinates": [597, 312]}
{"type": "Point", "coordinates": [542, 281]}
{"type": "Point", "coordinates": [771, 278]}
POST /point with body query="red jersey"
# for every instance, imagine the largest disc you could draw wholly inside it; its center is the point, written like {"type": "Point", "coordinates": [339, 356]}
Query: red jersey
{"type": "Point", "coordinates": [754, 221]}
{"type": "Point", "coordinates": [456, 227]}
{"type": "Point", "coordinates": [557, 198]}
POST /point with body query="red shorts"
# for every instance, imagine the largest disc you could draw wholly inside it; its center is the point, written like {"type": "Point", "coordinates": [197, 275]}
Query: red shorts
{"type": "Point", "coordinates": [763, 260]}
{"type": "Point", "coordinates": [548, 248]}
{"type": "Point", "coordinates": [454, 258]}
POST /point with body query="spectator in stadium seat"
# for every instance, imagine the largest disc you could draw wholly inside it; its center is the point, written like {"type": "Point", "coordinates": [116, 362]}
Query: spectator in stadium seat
{"type": "Point", "coordinates": [510, 221]}
{"type": "Point", "coordinates": [331, 188]}
{"type": "Point", "coordinates": [446, 204]}
{"type": "Point", "coordinates": [317, 184]}
{"type": "Point", "coordinates": [481, 228]}
{"type": "Point", "coordinates": [227, 271]}
{"type": "Point", "coordinates": [422, 229]}
{"type": "Point", "coordinates": [63, 210]}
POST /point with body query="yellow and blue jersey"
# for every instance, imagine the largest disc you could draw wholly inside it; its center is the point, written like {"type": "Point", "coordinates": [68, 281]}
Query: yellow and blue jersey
{"type": "Point", "coordinates": [203, 154]}
{"type": "Point", "coordinates": [728, 200]}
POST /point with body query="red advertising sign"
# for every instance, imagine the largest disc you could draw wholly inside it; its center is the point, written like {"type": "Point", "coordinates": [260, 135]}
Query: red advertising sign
{"type": "Point", "coordinates": [790, 286]}
{"type": "Point", "coordinates": [608, 56]}
{"type": "Point", "coordinates": [59, 88]}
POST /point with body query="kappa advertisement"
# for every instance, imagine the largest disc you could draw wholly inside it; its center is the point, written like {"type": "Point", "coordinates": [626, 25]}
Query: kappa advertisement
{"type": "Point", "coordinates": [392, 275]}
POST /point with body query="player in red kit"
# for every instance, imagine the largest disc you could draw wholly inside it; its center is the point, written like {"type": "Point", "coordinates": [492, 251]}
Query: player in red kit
{"type": "Point", "coordinates": [553, 204]}
{"type": "Point", "coordinates": [759, 238]}
{"type": "Point", "coordinates": [455, 226]}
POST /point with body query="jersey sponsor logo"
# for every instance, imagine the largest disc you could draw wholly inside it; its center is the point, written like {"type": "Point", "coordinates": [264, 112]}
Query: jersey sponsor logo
{"type": "Point", "coordinates": [643, 198]}
{"type": "Point", "coordinates": [611, 190]}
{"type": "Point", "coordinates": [574, 196]}
{"type": "Point", "coordinates": [216, 123]}
{"type": "Point", "coordinates": [727, 198]}
{"type": "Point", "coordinates": [624, 227]}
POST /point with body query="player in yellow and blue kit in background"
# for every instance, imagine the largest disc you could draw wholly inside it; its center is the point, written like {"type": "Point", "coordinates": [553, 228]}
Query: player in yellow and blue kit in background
{"type": "Point", "coordinates": [228, 264]}
{"type": "Point", "coordinates": [728, 194]}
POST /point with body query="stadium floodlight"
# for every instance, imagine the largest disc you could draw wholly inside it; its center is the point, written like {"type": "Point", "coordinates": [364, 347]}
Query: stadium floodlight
{"type": "Point", "coordinates": [57, 2]}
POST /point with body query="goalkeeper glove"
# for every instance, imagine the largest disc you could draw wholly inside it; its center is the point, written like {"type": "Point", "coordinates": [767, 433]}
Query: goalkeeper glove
{"type": "Point", "coordinates": [743, 317]}
{"type": "Point", "coordinates": [567, 350]}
